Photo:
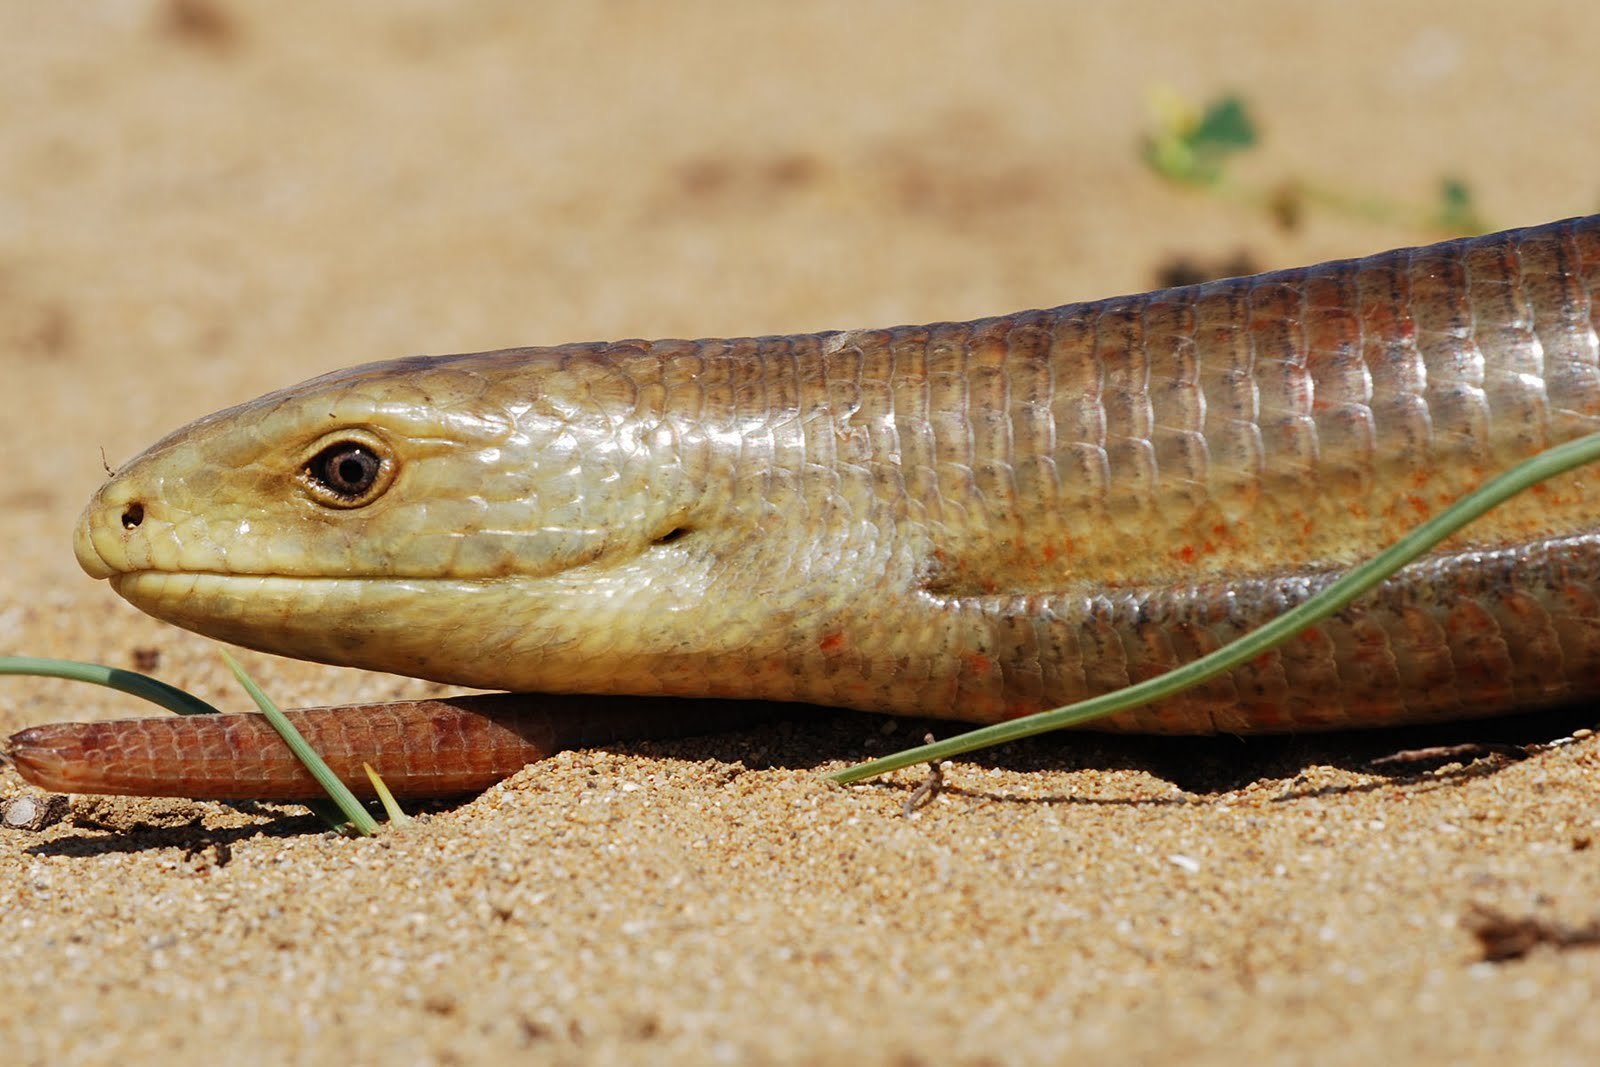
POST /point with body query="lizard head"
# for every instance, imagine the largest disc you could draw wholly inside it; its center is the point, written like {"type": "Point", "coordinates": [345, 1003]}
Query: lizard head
{"type": "Point", "coordinates": [430, 516]}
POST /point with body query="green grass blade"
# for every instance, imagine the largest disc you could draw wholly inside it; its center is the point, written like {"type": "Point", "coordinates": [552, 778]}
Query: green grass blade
{"type": "Point", "coordinates": [346, 801]}
{"type": "Point", "coordinates": [140, 685]}
{"type": "Point", "coordinates": [1335, 597]}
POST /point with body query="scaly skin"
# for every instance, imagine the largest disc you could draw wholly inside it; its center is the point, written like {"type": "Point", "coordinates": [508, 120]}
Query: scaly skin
{"type": "Point", "coordinates": [965, 520]}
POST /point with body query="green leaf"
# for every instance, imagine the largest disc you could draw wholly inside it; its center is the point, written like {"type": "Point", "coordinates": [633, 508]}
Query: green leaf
{"type": "Point", "coordinates": [1224, 127]}
{"type": "Point", "coordinates": [1456, 212]}
{"type": "Point", "coordinates": [1193, 149]}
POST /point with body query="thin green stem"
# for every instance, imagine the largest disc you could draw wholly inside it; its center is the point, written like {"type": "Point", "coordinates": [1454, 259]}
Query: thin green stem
{"type": "Point", "coordinates": [391, 806]}
{"type": "Point", "coordinates": [140, 685]}
{"type": "Point", "coordinates": [364, 824]}
{"type": "Point", "coordinates": [1335, 597]}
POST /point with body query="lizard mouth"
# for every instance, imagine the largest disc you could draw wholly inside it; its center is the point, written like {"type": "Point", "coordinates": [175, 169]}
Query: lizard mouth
{"type": "Point", "coordinates": [235, 595]}
{"type": "Point", "coordinates": [425, 627]}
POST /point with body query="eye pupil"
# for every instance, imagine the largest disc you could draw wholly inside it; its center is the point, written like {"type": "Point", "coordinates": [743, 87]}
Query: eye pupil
{"type": "Point", "coordinates": [347, 469]}
{"type": "Point", "coordinates": [352, 470]}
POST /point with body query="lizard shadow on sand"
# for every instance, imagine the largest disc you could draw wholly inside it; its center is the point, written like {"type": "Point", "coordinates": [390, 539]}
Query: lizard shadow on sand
{"type": "Point", "coordinates": [1199, 766]}
{"type": "Point", "coordinates": [122, 825]}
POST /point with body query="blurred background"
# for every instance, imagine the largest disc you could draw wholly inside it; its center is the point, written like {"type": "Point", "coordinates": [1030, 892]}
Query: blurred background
{"type": "Point", "coordinates": [201, 200]}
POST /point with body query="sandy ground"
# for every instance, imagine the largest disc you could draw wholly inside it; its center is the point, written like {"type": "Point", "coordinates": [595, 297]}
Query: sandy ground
{"type": "Point", "coordinates": [200, 201]}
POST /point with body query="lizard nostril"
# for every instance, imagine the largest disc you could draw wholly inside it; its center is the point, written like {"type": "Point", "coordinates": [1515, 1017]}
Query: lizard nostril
{"type": "Point", "coordinates": [132, 516]}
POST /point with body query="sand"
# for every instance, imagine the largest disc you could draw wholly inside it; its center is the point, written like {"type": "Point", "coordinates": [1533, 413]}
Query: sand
{"type": "Point", "coordinates": [201, 201]}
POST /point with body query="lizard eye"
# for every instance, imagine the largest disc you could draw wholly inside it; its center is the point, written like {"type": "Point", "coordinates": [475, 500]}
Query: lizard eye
{"type": "Point", "coordinates": [348, 472]}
